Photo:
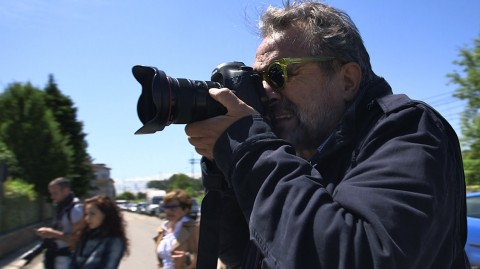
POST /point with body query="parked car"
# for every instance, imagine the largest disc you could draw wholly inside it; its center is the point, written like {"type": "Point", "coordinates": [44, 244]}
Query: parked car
{"type": "Point", "coordinates": [154, 199]}
{"type": "Point", "coordinates": [472, 247]}
{"type": "Point", "coordinates": [142, 208]}
{"type": "Point", "coordinates": [195, 211]}
{"type": "Point", "coordinates": [159, 210]}
{"type": "Point", "coordinates": [133, 207]}
{"type": "Point", "coordinates": [123, 204]}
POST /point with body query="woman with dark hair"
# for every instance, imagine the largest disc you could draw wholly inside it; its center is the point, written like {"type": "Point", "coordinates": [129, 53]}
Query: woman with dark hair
{"type": "Point", "coordinates": [99, 239]}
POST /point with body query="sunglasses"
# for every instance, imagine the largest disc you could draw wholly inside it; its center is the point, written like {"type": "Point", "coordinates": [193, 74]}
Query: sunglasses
{"type": "Point", "coordinates": [276, 74]}
{"type": "Point", "coordinates": [170, 207]}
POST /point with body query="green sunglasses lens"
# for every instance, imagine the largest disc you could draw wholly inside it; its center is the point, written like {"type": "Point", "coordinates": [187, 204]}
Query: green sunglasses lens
{"type": "Point", "coordinates": [276, 77]}
{"type": "Point", "coordinates": [276, 73]}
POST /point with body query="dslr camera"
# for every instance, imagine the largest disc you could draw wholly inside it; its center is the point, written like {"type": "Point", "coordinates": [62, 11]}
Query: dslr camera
{"type": "Point", "coordinates": [165, 100]}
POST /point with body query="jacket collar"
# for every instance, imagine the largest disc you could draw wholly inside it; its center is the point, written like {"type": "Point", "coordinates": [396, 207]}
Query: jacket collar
{"type": "Point", "coordinates": [356, 114]}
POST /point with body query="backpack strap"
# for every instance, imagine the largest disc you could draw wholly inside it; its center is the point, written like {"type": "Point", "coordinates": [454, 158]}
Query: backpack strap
{"type": "Point", "coordinates": [68, 210]}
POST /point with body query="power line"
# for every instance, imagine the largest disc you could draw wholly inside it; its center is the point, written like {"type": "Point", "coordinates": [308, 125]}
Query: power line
{"type": "Point", "coordinates": [450, 93]}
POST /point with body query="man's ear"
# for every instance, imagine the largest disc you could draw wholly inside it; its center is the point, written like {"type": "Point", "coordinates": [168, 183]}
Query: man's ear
{"type": "Point", "coordinates": [352, 75]}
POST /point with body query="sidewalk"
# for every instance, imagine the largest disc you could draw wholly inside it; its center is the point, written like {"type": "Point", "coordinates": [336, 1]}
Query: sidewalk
{"type": "Point", "coordinates": [13, 261]}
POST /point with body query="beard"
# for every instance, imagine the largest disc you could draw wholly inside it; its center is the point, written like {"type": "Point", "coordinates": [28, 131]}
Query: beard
{"type": "Point", "coordinates": [314, 121]}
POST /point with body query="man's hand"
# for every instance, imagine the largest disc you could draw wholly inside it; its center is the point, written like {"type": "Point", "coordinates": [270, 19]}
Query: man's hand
{"type": "Point", "coordinates": [203, 134]}
{"type": "Point", "coordinates": [48, 233]}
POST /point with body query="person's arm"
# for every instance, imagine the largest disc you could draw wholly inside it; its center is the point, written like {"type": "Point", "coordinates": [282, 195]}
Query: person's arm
{"type": "Point", "coordinates": [187, 258]}
{"type": "Point", "coordinates": [75, 214]}
{"type": "Point", "coordinates": [50, 233]}
{"type": "Point", "coordinates": [394, 209]}
{"type": "Point", "coordinates": [193, 246]}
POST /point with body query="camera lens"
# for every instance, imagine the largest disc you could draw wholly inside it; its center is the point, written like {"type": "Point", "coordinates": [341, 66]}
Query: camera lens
{"type": "Point", "coordinates": [166, 100]}
{"type": "Point", "coordinates": [192, 102]}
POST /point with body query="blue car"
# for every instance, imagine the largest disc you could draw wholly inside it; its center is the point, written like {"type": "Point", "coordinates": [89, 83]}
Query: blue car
{"type": "Point", "coordinates": [472, 247]}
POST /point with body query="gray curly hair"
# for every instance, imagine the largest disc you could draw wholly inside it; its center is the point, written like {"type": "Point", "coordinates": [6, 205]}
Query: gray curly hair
{"type": "Point", "coordinates": [322, 30]}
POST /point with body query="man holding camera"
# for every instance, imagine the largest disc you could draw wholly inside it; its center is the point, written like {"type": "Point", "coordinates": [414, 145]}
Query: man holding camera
{"type": "Point", "coordinates": [68, 211]}
{"type": "Point", "coordinates": [340, 173]}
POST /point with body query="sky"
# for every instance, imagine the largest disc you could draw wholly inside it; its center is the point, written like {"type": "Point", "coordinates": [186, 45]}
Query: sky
{"type": "Point", "coordinates": [90, 48]}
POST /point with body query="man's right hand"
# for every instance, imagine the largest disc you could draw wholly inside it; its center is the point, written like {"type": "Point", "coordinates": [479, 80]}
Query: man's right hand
{"type": "Point", "coordinates": [203, 134]}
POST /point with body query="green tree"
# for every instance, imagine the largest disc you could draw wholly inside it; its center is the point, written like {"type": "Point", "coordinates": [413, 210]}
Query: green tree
{"type": "Point", "coordinates": [178, 181]}
{"type": "Point", "coordinates": [141, 196]}
{"type": "Point", "coordinates": [32, 135]}
{"type": "Point", "coordinates": [468, 81]}
{"type": "Point", "coordinates": [186, 183]}
{"type": "Point", "coordinates": [126, 196]}
{"type": "Point", "coordinates": [158, 184]}
{"type": "Point", "coordinates": [65, 114]}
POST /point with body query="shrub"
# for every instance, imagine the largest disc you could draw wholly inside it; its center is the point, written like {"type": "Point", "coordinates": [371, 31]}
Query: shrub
{"type": "Point", "coordinates": [19, 205]}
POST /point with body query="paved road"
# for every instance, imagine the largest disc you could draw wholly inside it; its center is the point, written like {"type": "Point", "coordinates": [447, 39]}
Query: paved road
{"type": "Point", "coordinates": [140, 231]}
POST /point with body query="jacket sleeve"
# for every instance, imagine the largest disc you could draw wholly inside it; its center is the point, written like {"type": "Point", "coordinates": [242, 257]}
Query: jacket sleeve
{"type": "Point", "coordinates": [394, 208]}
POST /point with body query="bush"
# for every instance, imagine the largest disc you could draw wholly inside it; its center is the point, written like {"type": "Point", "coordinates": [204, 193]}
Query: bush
{"type": "Point", "coordinates": [16, 189]}
{"type": "Point", "coordinates": [472, 169]}
{"type": "Point", "coordinates": [19, 206]}
{"type": "Point", "coordinates": [473, 188]}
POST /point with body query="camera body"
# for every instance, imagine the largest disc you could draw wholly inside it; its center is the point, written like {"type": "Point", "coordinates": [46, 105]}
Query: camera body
{"type": "Point", "coordinates": [165, 100]}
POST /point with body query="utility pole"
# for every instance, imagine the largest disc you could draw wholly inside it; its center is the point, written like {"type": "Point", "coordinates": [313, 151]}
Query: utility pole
{"type": "Point", "coordinates": [192, 162]}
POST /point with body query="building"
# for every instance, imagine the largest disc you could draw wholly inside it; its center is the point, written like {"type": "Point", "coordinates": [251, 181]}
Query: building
{"type": "Point", "coordinates": [102, 183]}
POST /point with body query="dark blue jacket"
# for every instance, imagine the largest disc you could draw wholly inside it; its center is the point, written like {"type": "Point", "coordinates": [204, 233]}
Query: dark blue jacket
{"type": "Point", "coordinates": [98, 252]}
{"type": "Point", "coordinates": [386, 191]}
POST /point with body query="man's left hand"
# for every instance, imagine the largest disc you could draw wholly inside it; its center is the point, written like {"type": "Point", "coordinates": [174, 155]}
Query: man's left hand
{"type": "Point", "coordinates": [47, 233]}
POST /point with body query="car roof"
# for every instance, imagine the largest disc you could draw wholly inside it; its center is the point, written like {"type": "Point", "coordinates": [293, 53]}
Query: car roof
{"type": "Point", "coordinates": [473, 194]}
